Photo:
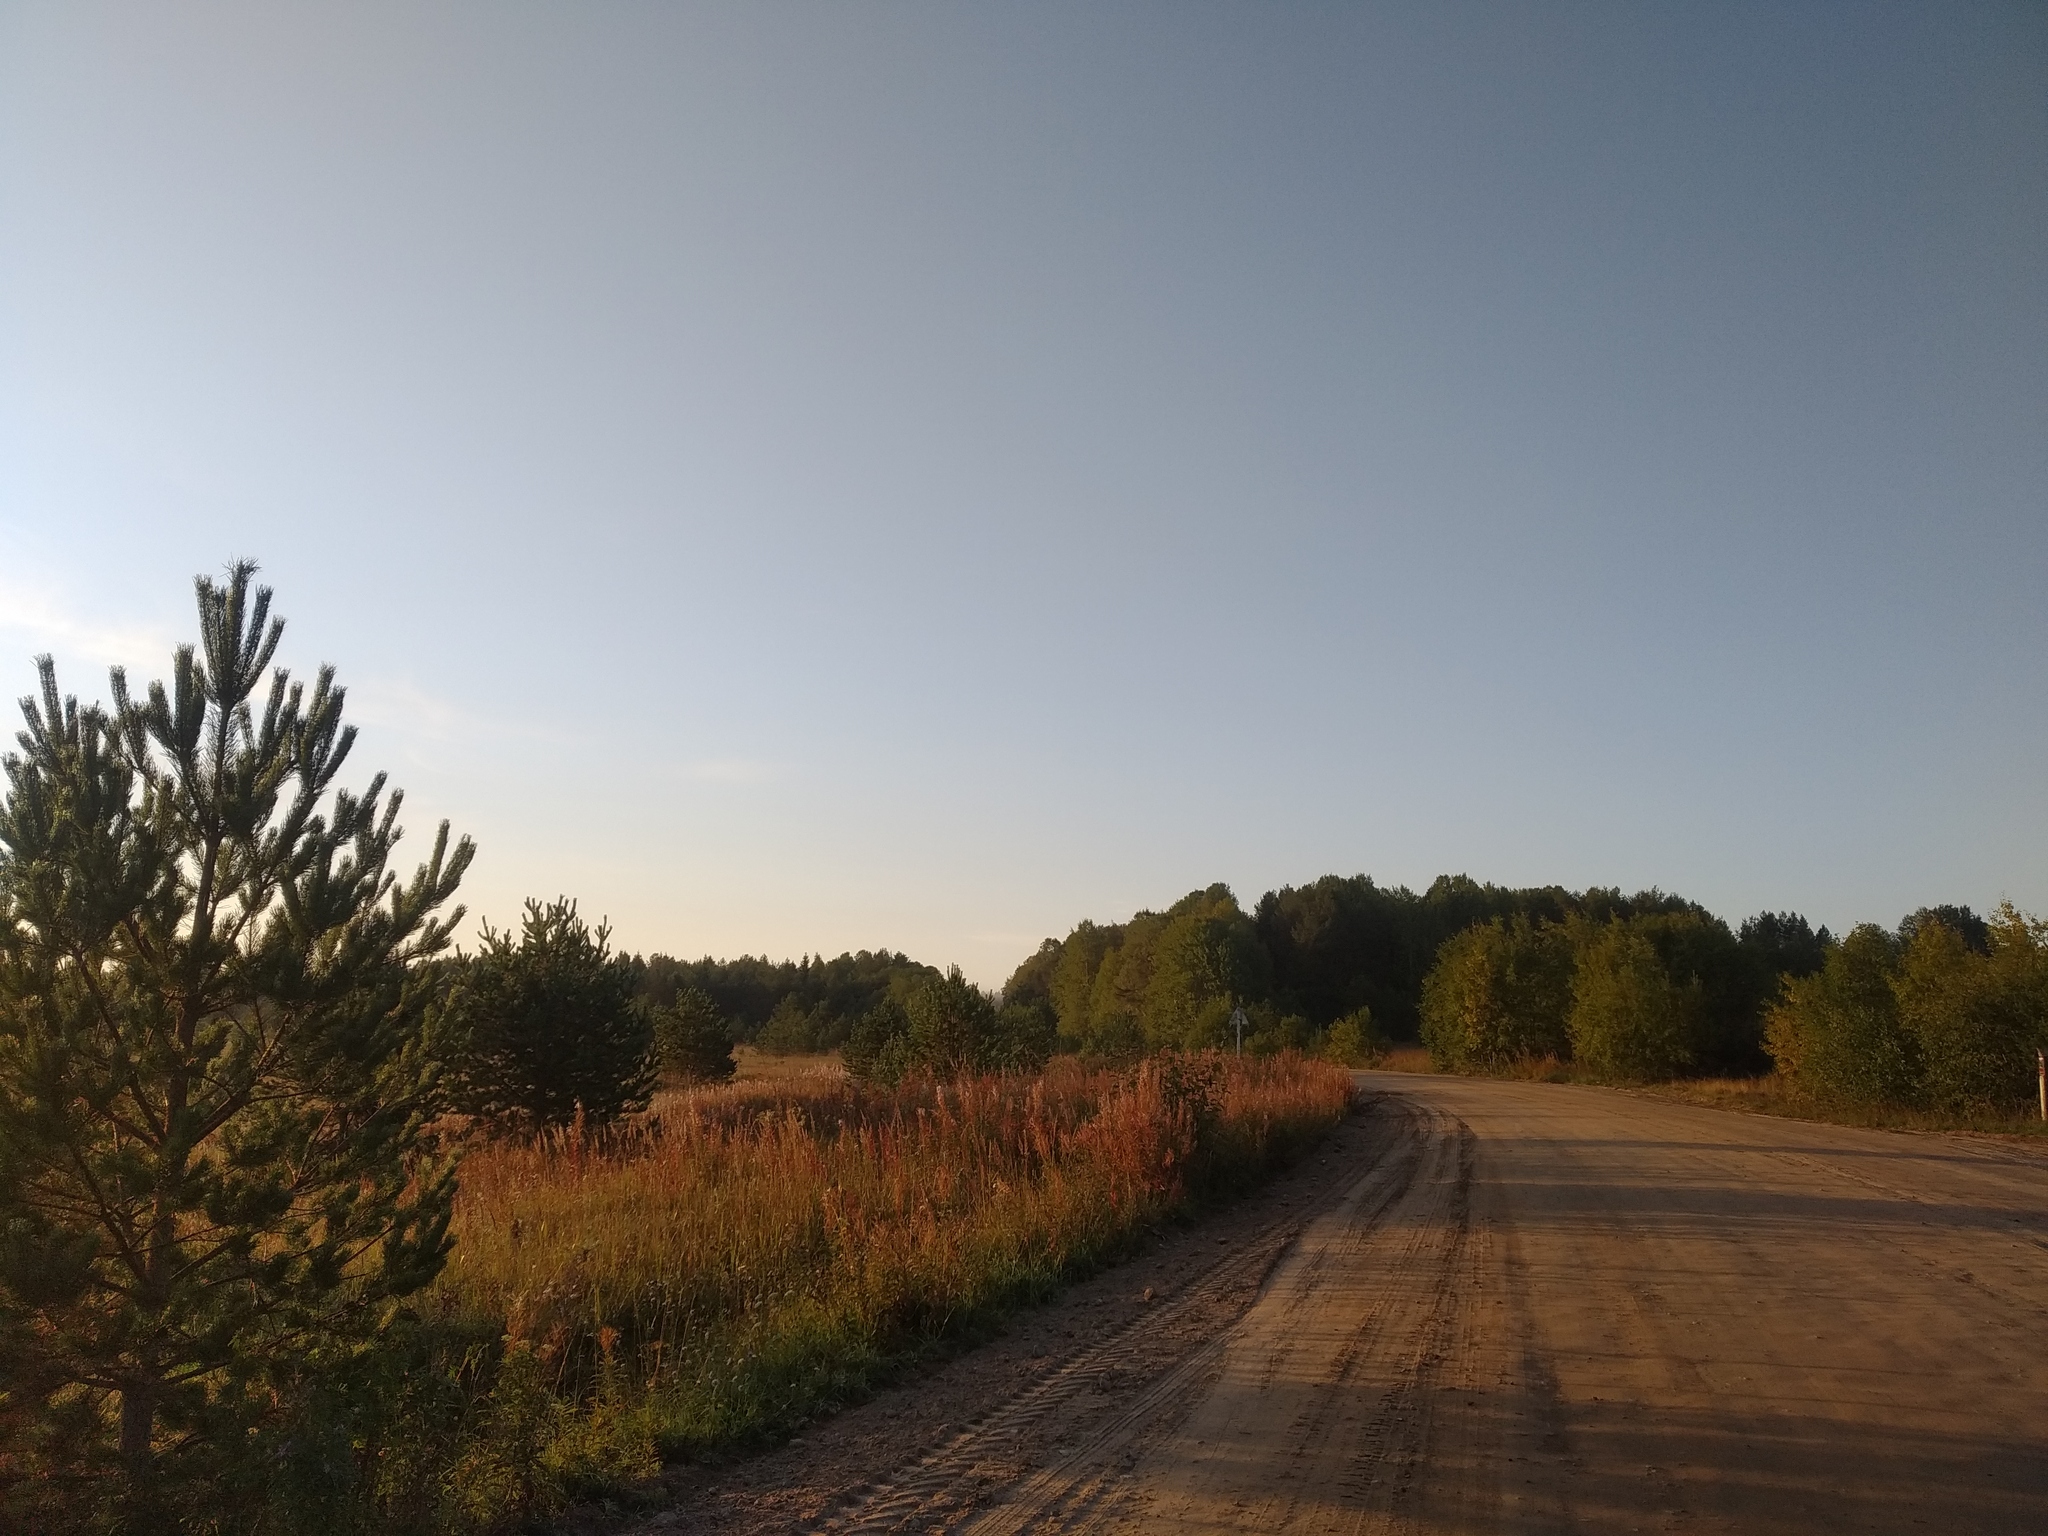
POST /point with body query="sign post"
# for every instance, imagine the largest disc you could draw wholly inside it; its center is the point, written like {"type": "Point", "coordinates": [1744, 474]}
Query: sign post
{"type": "Point", "coordinates": [2041, 1078]}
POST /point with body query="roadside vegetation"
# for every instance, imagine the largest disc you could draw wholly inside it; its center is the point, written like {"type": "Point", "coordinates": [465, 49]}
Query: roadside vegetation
{"type": "Point", "coordinates": [309, 1220]}
{"type": "Point", "coordinates": [1934, 1023]}
{"type": "Point", "coordinates": [750, 1254]}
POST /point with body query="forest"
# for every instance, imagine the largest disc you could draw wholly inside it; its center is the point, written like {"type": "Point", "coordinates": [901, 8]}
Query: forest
{"type": "Point", "coordinates": [1343, 948]}
{"type": "Point", "coordinates": [312, 1217]}
{"type": "Point", "coordinates": [1943, 1012]}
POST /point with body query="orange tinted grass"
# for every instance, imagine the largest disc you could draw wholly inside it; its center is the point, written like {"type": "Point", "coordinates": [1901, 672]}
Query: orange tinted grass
{"type": "Point", "coordinates": [762, 1246]}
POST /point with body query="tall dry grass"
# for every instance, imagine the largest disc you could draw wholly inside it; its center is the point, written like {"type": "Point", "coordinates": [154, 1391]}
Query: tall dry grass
{"type": "Point", "coordinates": [754, 1251]}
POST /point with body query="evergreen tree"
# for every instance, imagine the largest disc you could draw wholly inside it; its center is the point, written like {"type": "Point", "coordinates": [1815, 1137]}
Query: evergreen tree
{"type": "Point", "coordinates": [215, 1064]}
{"type": "Point", "coordinates": [947, 1025]}
{"type": "Point", "coordinates": [548, 1025]}
{"type": "Point", "coordinates": [692, 1038]}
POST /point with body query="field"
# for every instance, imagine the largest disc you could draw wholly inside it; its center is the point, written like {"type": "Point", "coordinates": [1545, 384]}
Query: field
{"type": "Point", "coordinates": [754, 1253]}
{"type": "Point", "coordinates": [752, 1064]}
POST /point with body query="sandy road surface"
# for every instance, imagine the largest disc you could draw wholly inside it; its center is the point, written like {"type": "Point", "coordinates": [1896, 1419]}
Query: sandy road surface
{"type": "Point", "coordinates": [1529, 1307]}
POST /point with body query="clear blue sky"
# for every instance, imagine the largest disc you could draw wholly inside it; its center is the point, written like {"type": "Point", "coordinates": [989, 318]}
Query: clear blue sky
{"type": "Point", "coordinates": [814, 477]}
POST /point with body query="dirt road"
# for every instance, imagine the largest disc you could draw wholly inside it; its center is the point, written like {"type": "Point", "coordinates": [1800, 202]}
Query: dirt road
{"type": "Point", "coordinates": [1529, 1307]}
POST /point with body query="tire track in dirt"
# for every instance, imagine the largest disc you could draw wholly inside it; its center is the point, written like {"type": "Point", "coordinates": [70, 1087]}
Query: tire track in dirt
{"type": "Point", "coordinates": [1327, 1390]}
{"type": "Point", "coordinates": [1063, 1441]}
{"type": "Point", "coordinates": [1502, 1307]}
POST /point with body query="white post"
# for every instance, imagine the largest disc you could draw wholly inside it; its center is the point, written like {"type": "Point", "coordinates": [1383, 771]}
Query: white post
{"type": "Point", "coordinates": [2041, 1077]}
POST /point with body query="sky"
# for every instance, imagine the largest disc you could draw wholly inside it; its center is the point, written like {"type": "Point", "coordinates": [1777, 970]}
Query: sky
{"type": "Point", "coordinates": [813, 477]}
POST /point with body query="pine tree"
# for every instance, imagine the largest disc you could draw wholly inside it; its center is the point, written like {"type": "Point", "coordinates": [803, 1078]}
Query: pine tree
{"type": "Point", "coordinates": [548, 1026]}
{"type": "Point", "coordinates": [693, 1039]}
{"type": "Point", "coordinates": [216, 1069]}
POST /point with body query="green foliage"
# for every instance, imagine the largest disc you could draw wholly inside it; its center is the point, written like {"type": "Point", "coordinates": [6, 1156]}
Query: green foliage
{"type": "Point", "coordinates": [947, 1025]}
{"type": "Point", "coordinates": [1162, 981]}
{"type": "Point", "coordinates": [827, 996]}
{"type": "Point", "coordinates": [1268, 1031]}
{"type": "Point", "coordinates": [1206, 958]}
{"type": "Point", "coordinates": [1784, 944]}
{"type": "Point", "coordinates": [1355, 1041]}
{"type": "Point", "coordinates": [1977, 1014]}
{"type": "Point", "coordinates": [794, 1030]}
{"type": "Point", "coordinates": [692, 1040]}
{"type": "Point", "coordinates": [1629, 1021]}
{"type": "Point", "coordinates": [1961, 921]}
{"type": "Point", "coordinates": [1482, 972]}
{"type": "Point", "coordinates": [1024, 1037]}
{"type": "Point", "coordinates": [548, 1026]}
{"type": "Point", "coordinates": [1724, 990]}
{"type": "Point", "coordinates": [1032, 981]}
{"type": "Point", "coordinates": [1344, 943]}
{"type": "Point", "coordinates": [1073, 986]}
{"type": "Point", "coordinates": [216, 1072]}
{"type": "Point", "coordinates": [1498, 993]}
{"type": "Point", "coordinates": [878, 1049]}
{"type": "Point", "coordinates": [1838, 1033]}
{"type": "Point", "coordinates": [1947, 1015]}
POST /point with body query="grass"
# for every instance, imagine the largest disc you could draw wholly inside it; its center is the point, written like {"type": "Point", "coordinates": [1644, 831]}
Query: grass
{"type": "Point", "coordinates": [752, 1064]}
{"type": "Point", "coordinates": [756, 1252]}
{"type": "Point", "coordinates": [1772, 1094]}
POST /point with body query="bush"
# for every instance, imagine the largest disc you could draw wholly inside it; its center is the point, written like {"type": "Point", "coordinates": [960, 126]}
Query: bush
{"type": "Point", "coordinates": [1354, 1041]}
{"type": "Point", "coordinates": [548, 1026]}
{"type": "Point", "coordinates": [794, 1030]}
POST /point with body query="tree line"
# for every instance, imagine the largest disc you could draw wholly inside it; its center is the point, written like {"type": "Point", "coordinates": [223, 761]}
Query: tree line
{"type": "Point", "coordinates": [553, 1025]}
{"type": "Point", "coordinates": [1350, 952]}
{"type": "Point", "coordinates": [1944, 1013]}
{"type": "Point", "coordinates": [1642, 988]}
{"type": "Point", "coordinates": [239, 1050]}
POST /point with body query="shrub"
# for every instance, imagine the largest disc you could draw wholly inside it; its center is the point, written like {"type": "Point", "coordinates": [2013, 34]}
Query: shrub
{"type": "Point", "coordinates": [1354, 1040]}
{"type": "Point", "coordinates": [945, 1025]}
{"type": "Point", "coordinates": [794, 1030]}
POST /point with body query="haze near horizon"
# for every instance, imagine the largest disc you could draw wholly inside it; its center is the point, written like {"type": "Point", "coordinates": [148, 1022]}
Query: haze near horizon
{"type": "Point", "coordinates": [803, 479]}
